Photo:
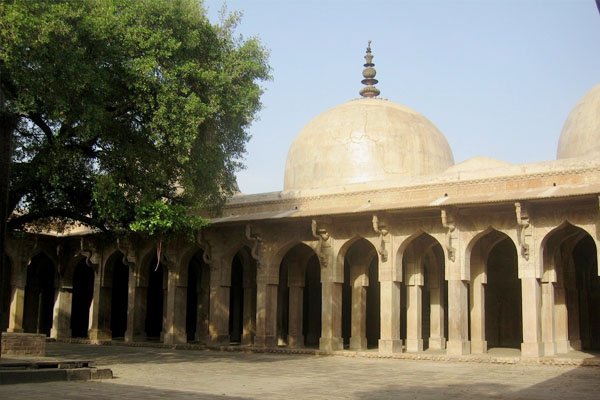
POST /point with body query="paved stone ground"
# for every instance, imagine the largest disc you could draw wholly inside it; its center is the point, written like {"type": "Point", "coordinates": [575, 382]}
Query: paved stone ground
{"type": "Point", "coordinates": [157, 373]}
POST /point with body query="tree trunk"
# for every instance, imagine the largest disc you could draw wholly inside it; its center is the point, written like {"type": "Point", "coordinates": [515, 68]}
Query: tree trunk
{"type": "Point", "coordinates": [8, 123]}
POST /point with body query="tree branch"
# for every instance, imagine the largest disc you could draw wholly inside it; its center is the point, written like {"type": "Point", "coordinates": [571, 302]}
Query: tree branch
{"type": "Point", "coordinates": [21, 220]}
{"type": "Point", "coordinates": [39, 121]}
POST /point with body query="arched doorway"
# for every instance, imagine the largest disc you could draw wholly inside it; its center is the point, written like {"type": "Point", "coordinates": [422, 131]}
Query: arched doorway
{"type": "Point", "coordinates": [311, 316]}
{"type": "Point", "coordinates": [495, 296]}
{"type": "Point", "coordinates": [242, 298]}
{"type": "Point", "coordinates": [588, 287]}
{"type": "Point", "coordinates": [5, 292]}
{"type": "Point", "coordinates": [155, 299]}
{"type": "Point", "coordinates": [299, 298]}
{"type": "Point", "coordinates": [115, 287]}
{"type": "Point", "coordinates": [571, 291]}
{"type": "Point", "coordinates": [424, 320]}
{"type": "Point", "coordinates": [361, 296]}
{"type": "Point", "coordinates": [83, 292]}
{"type": "Point", "coordinates": [198, 298]}
{"type": "Point", "coordinates": [39, 295]}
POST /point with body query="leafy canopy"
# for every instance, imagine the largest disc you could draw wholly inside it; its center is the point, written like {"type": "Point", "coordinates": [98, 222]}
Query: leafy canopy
{"type": "Point", "coordinates": [130, 114]}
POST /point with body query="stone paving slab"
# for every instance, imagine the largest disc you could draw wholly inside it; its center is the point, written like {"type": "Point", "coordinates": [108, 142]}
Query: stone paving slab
{"type": "Point", "coordinates": [152, 373]}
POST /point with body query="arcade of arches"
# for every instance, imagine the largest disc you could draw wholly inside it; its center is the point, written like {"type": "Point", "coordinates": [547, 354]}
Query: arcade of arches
{"type": "Point", "coordinates": [387, 282]}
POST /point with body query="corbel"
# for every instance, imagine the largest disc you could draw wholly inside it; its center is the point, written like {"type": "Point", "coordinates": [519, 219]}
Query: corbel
{"type": "Point", "coordinates": [205, 246]}
{"type": "Point", "coordinates": [380, 228]}
{"type": "Point", "coordinates": [450, 226]}
{"type": "Point", "coordinates": [324, 246]}
{"type": "Point", "coordinates": [523, 224]}
{"type": "Point", "coordinates": [90, 252]}
{"type": "Point", "coordinates": [129, 257]}
{"type": "Point", "coordinates": [256, 239]}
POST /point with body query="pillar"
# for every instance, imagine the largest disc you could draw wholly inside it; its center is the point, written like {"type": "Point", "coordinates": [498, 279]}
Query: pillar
{"type": "Point", "coordinates": [390, 304]}
{"type": "Point", "coordinates": [478, 342]}
{"type": "Point", "coordinates": [266, 314]}
{"type": "Point", "coordinates": [17, 304]}
{"type": "Point", "coordinates": [100, 311]}
{"type": "Point", "coordinates": [458, 318]}
{"type": "Point", "coordinates": [561, 320]}
{"type": "Point", "coordinates": [437, 337]}
{"type": "Point", "coordinates": [296, 314]}
{"type": "Point", "coordinates": [136, 307]}
{"type": "Point", "coordinates": [249, 310]}
{"type": "Point", "coordinates": [414, 317]}
{"type": "Point", "coordinates": [202, 308]}
{"type": "Point", "coordinates": [531, 297]}
{"type": "Point", "coordinates": [61, 316]}
{"type": "Point", "coordinates": [174, 327]}
{"type": "Point", "coordinates": [331, 316]}
{"type": "Point", "coordinates": [358, 336]}
{"type": "Point", "coordinates": [547, 319]}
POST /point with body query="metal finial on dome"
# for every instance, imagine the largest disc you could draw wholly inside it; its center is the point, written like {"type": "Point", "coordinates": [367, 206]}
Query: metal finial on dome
{"type": "Point", "coordinates": [369, 74]}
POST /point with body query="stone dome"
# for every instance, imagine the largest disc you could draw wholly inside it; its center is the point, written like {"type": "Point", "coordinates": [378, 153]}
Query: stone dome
{"type": "Point", "coordinates": [363, 141]}
{"type": "Point", "coordinates": [580, 136]}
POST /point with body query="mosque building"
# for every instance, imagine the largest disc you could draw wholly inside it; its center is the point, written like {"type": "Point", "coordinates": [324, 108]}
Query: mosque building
{"type": "Point", "coordinates": [377, 241]}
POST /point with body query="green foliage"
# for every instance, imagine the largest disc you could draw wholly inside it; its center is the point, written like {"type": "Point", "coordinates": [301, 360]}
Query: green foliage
{"type": "Point", "coordinates": [123, 105]}
{"type": "Point", "coordinates": [158, 219]}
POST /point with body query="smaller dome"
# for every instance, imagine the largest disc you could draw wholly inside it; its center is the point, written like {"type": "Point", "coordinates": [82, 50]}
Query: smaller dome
{"type": "Point", "coordinates": [580, 136]}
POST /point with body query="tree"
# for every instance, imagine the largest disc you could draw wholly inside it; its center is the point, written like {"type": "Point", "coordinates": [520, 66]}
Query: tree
{"type": "Point", "coordinates": [121, 114]}
{"type": "Point", "coordinates": [118, 105]}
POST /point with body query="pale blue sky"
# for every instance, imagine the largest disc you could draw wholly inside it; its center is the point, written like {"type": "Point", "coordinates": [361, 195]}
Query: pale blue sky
{"type": "Point", "coordinates": [498, 78]}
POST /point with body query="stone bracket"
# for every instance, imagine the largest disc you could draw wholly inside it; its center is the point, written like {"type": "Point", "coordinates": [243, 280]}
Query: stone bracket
{"type": "Point", "coordinates": [256, 247]}
{"type": "Point", "coordinates": [205, 246]}
{"type": "Point", "coordinates": [89, 250]}
{"type": "Point", "coordinates": [380, 228]}
{"type": "Point", "coordinates": [450, 226]}
{"type": "Point", "coordinates": [324, 247]}
{"type": "Point", "coordinates": [524, 229]}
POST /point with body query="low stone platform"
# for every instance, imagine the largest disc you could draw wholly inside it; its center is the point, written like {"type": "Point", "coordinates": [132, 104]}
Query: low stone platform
{"type": "Point", "coordinates": [493, 356]}
{"type": "Point", "coordinates": [19, 370]}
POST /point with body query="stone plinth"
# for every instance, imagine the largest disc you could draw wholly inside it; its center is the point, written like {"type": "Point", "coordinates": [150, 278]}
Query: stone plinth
{"type": "Point", "coordinates": [30, 344]}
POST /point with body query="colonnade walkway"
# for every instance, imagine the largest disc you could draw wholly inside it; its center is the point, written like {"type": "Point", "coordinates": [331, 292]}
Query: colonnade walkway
{"type": "Point", "coordinates": [160, 372]}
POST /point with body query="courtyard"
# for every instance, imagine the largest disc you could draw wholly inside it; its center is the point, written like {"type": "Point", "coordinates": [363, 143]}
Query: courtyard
{"type": "Point", "coordinates": [153, 373]}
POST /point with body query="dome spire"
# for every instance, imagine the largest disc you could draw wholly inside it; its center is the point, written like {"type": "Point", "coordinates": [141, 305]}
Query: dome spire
{"type": "Point", "coordinates": [369, 74]}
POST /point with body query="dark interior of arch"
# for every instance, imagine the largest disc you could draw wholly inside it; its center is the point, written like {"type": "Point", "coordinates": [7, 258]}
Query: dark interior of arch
{"type": "Point", "coordinates": [154, 300]}
{"type": "Point", "coordinates": [588, 287]}
{"type": "Point", "coordinates": [83, 292]}
{"type": "Point", "coordinates": [39, 295]}
{"type": "Point", "coordinates": [119, 296]}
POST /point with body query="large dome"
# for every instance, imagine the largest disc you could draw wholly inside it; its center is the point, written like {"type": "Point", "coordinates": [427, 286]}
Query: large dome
{"type": "Point", "coordinates": [365, 140]}
{"type": "Point", "coordinates": [580, 136]}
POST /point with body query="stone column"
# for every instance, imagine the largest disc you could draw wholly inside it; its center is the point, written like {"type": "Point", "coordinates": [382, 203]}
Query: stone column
{"type": "Point", "coordinates": [531, 296]}
{"type": "Point", "coordinates": [437, 337]}
{"type": "Point", "coordinates": [331, 315]}
{"type": "Point", "coordinates": [218, 293]}
{"type": "Point", "coordinates": [414, 317]}
{"type": "Point", "coordinates": [202, 309]}
{"type": "Point", "coordinates": [478, 281]}
{"type": "Point", "coordinates": [296, 305]}
{"type": "Point", "coordinates": [100, 311]}
{"type": "Point", "coordinates": [390, 302]}
{"type": "Point", "coordinates": [136, 306]}
{"type": "Point", "coordinates": [61, 317]}
{"type": "Point", "coordinates": [547, 319]}
{"type": "Point", "coordinates": [561, 320]}
{"type": "Point", "coordinates": [358, 336]}
{"type": "Point", "coordinates": [249, 310]}
{"type": "Point", "coordinates": [266, 313]}
{"type": "Point", "coordinates": [17, 297]}
{"type": "Point", "coordinates": [176, 305]}
{"type": "Point", "coordinates": [458, 318]}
